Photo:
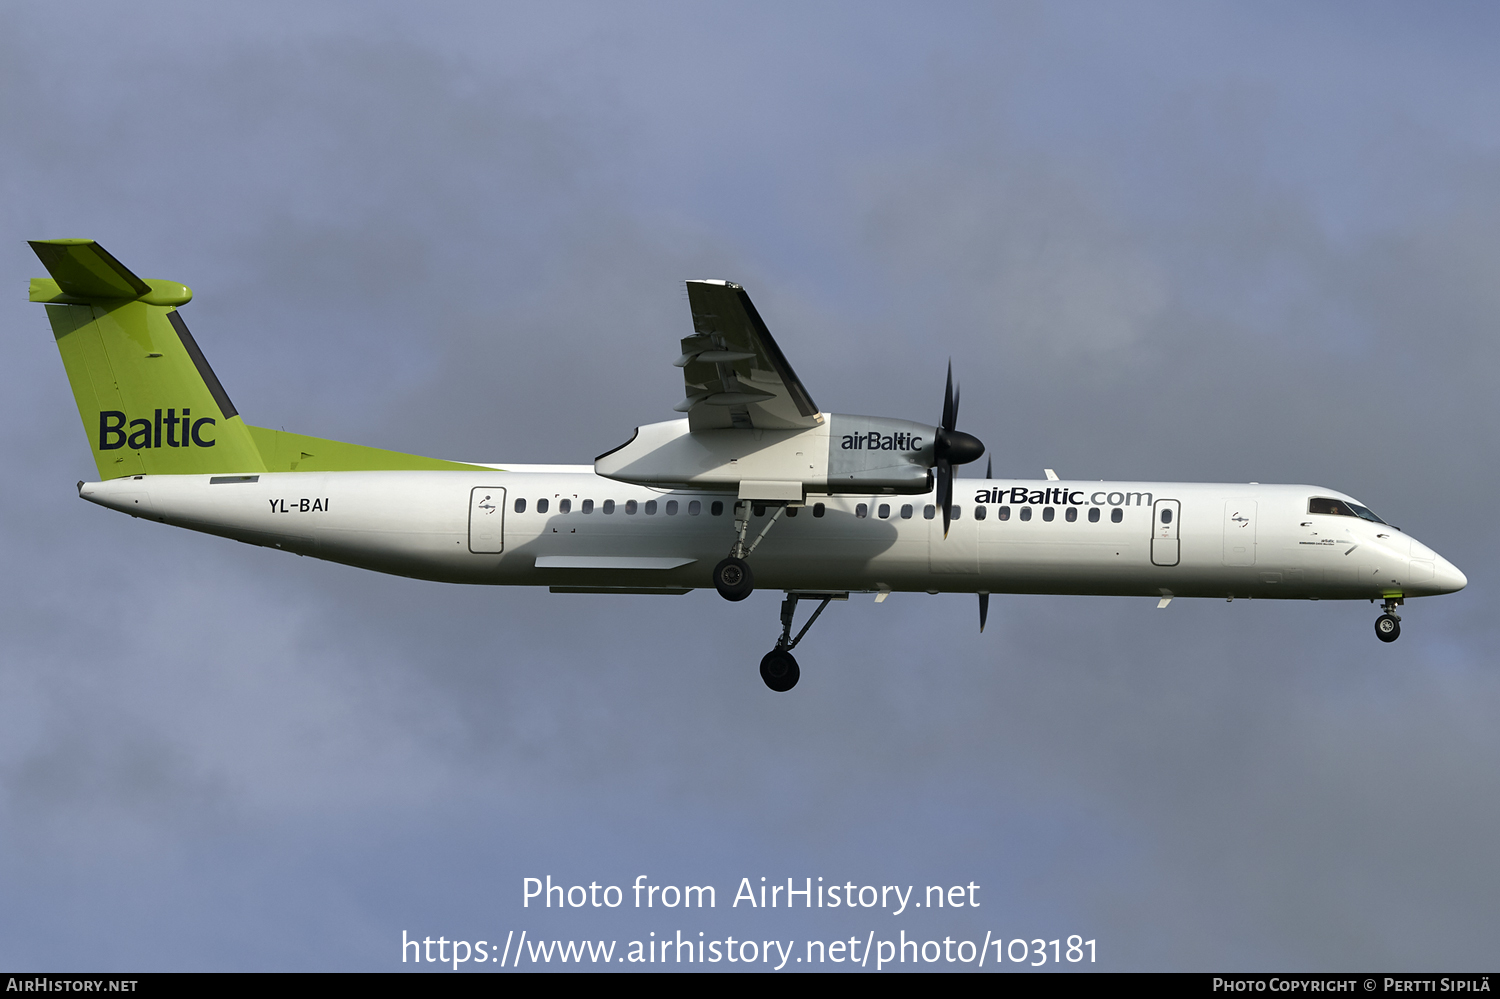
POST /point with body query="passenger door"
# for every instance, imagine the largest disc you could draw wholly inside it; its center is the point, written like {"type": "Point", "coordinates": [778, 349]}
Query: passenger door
{"type": "Point", "coordinates": [486, 520]}
{"type": "Point", "coordinates": [1165, 515]}
{"type": "Point", "coordinates": [1239, 532]}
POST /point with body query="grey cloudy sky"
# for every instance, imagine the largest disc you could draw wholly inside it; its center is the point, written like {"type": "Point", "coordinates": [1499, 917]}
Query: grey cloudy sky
{"type": "Point", "coordinates": [1181, 241]}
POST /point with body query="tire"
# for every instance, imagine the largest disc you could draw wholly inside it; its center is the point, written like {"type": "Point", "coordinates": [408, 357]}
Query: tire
{"type": "Point", "coordinates": [780, 671]}
{"type": "Point", "coordinates": [1387, 628]}
{"type": "Point", "coordinates": [733, 579]}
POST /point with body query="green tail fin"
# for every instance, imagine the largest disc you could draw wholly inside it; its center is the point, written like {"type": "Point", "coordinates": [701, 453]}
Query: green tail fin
{"type": "Point", "coordinates": [149, 401]}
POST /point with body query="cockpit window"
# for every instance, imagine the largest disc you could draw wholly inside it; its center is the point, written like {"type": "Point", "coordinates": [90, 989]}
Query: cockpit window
{"type": "Point", "coordinates": [1338, 508]}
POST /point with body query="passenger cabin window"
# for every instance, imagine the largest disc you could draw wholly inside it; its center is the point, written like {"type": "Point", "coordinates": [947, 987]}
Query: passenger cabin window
{"type": "Point", "coordinates": [818, 509]}
{"type": "Point", "coordinates": [884, 511]}
{"type": "Point", "coordinates": [929, 511]}
{"type": "Point", "coordinates": [541, 506]}
{"type": "Point", "coordinates": [651, 508]}
{"type": "Point", "coordinates": [1093, 515]}
{"type": "Point", "coordinates": [1116, 515]}
{"type": "Point", "coordinates": [760, 509]}
{"type": "Point", "coordinates": [1072, 514]}
{"type": "Point", "coordinates": [520, 506]}
{"type": "Point", "coordinates": [588, 506]}
{"type": "Point", "coordinates": [791, 511]}
{"type": "Point", "coordinates": [564, 506]}
{"type": "Point", "coordinates": [1003, 513]}
{"type": "Point", "coordinates": [863, 510]}
{"type": "Point", "coordinates": [671, 508]}
{"type": "Point", "coordinates": [954, 511]}
{"type": "Point", "coordinates": [980, 512]}
{"type": "Point", "coordinates": [717, 508]}
{"type": "Point", "coordinates": [631, 506]}
{"type": "Point", "coordinates": [694, 508]}
{"type": "Point", "coordinates": [1048, 513]}
{"type": "Point", "coordinates": [906, 511]}
{"type": "Point", "coordinates": [1025, 513]}
{"type": "Point", "coordinates": [609, 506]}
{"type": "Point", "coordinates": [1166, 515]}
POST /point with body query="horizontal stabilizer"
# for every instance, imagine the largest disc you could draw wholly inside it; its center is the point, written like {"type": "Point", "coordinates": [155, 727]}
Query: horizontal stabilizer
{"type": "Point", "coordinates": [83, 272]}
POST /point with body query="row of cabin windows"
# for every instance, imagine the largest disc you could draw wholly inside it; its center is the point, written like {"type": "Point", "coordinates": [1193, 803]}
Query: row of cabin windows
{"type": "Point", "coordinates": [649, 508]}
{"type": "Point", "coordinates": [981, 512]}
{"type": "Point", "coordinates": [632, 507]}
{"type": "Point", "coordinates": [862, 510]}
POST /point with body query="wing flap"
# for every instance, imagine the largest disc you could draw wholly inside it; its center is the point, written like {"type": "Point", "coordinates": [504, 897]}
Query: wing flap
{"type": "Point", "coordinates": [734, 373]}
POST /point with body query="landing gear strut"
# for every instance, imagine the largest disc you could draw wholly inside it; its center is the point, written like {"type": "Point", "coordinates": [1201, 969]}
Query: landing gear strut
{"type": "Point", "coordinates": [779, 669]}
{"type": "Point", "coordinates": [1388, 625]}
{"type": "Point", "coordinates": [732, 577]}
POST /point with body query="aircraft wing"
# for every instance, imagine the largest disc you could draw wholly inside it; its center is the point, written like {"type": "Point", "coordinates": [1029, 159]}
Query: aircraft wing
{"type": "Point", "coordinates": [734, 374]}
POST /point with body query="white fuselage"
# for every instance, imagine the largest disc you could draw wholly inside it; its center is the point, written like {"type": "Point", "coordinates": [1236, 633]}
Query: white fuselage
{"type": "Point", "coordinates": [1221, 540]}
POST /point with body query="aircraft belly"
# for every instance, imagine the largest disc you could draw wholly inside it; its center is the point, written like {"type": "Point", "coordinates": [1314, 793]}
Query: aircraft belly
{"type": "Point", "coordinates": [846, 564]}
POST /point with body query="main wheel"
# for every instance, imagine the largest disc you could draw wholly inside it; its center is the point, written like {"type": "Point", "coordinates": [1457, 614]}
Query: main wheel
{"type": "Point", "coordinates": [780, 671]}
{"type": "Point", "coordinates": [1387, 628]}
{"type": "Point", "coordinates": [733, 579]}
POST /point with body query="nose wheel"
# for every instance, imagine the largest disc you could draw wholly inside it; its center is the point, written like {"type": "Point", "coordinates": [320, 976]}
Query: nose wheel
{"type": "Point", "coordinates": [1388, 625]}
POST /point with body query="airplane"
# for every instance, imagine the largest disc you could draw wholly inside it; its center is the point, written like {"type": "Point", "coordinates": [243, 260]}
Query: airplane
{"type": "Point", "coordinates": [754, 485]}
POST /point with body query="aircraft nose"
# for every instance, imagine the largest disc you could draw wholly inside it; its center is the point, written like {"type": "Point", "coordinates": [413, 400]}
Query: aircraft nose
{"type": "Point", "coordinates": [1447, 576]}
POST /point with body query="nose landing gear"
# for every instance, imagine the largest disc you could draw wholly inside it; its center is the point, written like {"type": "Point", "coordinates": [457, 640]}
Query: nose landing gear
{"type": "Point", "coordinates": [1388, 625]}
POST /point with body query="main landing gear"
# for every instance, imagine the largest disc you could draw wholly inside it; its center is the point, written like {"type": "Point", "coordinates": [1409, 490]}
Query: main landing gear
{"type": "Point", "coordinates": [1388, 625]}
{"type": "Point", "coordinates": [732, 577]}
{"type": "Point", "coordinates": [779, 669]}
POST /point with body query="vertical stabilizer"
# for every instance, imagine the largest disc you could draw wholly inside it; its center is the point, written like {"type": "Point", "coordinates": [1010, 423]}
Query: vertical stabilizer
{"type": "Point", "coordinates": [149, 401]}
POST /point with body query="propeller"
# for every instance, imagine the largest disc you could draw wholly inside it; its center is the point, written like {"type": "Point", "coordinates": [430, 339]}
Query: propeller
{"type": "Point", "coordinates": [952, 447]}
{"type": "Point", "coordinates": [984, 610]}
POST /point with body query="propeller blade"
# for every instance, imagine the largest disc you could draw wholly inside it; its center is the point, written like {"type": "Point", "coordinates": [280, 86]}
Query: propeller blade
{"type": "Point", "coordinates": [951, 447]}
{"type": "Point", "coordinates": [984, 610]}
{"type": "Point", "coordinates": [989, 468]}
{"type": "Point", "coordinates": [950, 406]}
{"type": "Point", "coordinates": [945, 491]}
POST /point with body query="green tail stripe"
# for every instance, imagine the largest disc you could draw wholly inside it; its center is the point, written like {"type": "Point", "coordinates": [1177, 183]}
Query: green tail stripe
{"type": "Point", "coordinates": [287, 452]}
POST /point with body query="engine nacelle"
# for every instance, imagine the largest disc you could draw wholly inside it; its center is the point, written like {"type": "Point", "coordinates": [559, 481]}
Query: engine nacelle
{"type": "Point", "coordinates": [843, 454]}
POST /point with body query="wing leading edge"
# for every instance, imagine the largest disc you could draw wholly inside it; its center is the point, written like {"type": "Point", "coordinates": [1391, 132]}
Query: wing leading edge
{"type": "Point", "coordinates": [735, 375]}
